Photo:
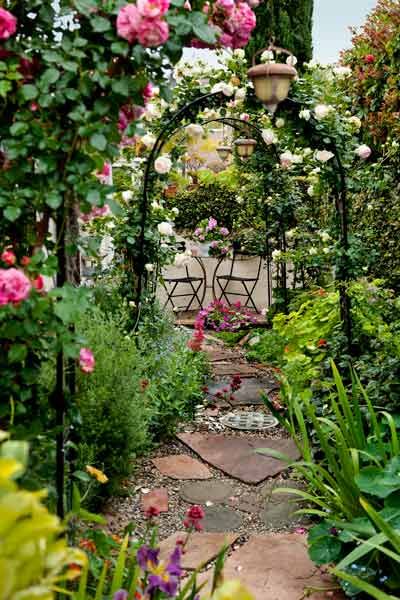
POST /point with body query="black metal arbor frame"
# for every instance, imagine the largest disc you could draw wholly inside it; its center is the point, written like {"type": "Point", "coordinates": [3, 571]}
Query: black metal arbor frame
{"type": "Point", "coordinates": [190, 110]}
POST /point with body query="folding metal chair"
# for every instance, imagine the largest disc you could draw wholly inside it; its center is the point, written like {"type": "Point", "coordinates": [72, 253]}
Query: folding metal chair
{"type": "Point", "coordinates": [194, 282]}
{"type": "Point", "coordinates": [248, 283]}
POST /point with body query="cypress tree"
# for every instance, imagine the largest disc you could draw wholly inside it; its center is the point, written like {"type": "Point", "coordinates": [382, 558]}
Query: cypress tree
{"type": "Point", "coordinates": [289, 22]}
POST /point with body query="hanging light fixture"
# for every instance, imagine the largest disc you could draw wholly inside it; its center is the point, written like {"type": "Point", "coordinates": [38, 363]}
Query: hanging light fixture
{"type": "Point", "coordinates": [245, 147]}
{"type": "Point", "coordinates": [272, 80]}
{"type": "Point", "coordinates": [224, 152]}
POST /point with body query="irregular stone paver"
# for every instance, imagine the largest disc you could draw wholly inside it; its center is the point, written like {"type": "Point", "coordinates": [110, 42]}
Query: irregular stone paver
{"type": "Point", "coordinates": [157, 498]}
{"type": "Point", "coordinates": [220, 355]}
{"type": "Point", "coordinates": [249, 393]}
{"type": "Point", "coordinates": [236, 456]}
{"type": "Point", "coordinates": [200, 492]}
{"type": "Point", "coordinates": [250, 503]}
{"type": "Point", "coordinates": [244, 370]}
{"type": "Point", "coordinates": [277, 567]}
{"type": "Point", "coordinates": [280, 507]}
{"type": "Point", "coordinates": [181, 466]}
{"type": "Point", "coordinates": [221, 518]}
{"type": "Point", "coordinates": [201, 548]}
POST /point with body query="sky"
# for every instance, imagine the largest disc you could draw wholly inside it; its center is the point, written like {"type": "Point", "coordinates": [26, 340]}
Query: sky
{"type": "Point", "coordinates": [332, 20]}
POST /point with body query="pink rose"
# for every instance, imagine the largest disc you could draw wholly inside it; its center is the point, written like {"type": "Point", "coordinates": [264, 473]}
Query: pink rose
{"type": "Point", "coordinates": [8, 24]}
{"type": "Point", "coordinates": [363, 151]}
{"type": "Point", "coordinates": [214, 244]}
{"type": "Point", "coordinates": [152, 9]}
{"type": "Point", "coordinates": [147, 92]}
{"type": "Point", "coordinates": [8, 257]}
{"type": "Point", "coordinates": [224, 231]}
{"type": "Point", "coordinates": [212, 223]}
{"type": "Point", "coordinates": [86, 360]}
{"type": "Point", "coordinates": [226, 5]}
{"type": "Point", "coordinates": [105, 174]}
{"type": "Point", "coordinates": [153, 32]}
{"type": "Point", "coordinates": [127, 114]}
{"type": "Point", "coordinates": [14, 286]}
{"type": "Point", "coordinates": [128, 22]}
{"type": "Point", "coordinates": [38, 283]}
{"type": "Point", "coordinates": [226, 40]}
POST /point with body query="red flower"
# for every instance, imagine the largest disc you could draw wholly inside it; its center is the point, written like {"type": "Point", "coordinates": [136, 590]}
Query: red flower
{"type": "Point", "coordinates": [369, 58]}
{"type": "Point", "coordinates": [88, 545]}
{"type": "Point", "coordinates": [8, 257]}
{"type": "Point", "coordinates": [151, 512]}
{"type": "Point", "coordinates": [38, 283]}
{"type": "Point", "coordinates": [195, 512]}
{"type": "Point", "coordinates": [25, 260]}
{"type": "Point", "coordinates": [321, 343]}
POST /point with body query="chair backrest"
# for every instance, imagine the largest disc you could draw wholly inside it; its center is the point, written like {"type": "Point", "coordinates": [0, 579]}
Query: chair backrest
{"type": "Point", "coordinates": [235, 258]}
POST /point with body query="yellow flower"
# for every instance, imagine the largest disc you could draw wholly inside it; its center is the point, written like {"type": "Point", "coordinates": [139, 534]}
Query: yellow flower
{"type": "Point", "coordinates": [99, 475]}
{"type": "Point", "coordinates": [232, 590]}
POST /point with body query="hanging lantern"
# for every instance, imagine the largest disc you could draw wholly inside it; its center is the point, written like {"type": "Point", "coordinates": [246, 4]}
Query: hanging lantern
{"type": "Point", "coordinates": [224, 152]}
{"type": "Point", "coordinates": [272, 81]}
{"type": "Point", "coordinates": [245, 147]}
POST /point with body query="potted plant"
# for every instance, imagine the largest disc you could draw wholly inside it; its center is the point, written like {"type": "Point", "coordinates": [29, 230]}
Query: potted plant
{"type": "Point", "coordinates": [212, 239]}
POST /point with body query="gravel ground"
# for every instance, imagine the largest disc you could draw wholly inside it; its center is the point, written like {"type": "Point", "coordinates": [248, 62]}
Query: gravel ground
{"type": "Point", "coordinates": [120, 511]}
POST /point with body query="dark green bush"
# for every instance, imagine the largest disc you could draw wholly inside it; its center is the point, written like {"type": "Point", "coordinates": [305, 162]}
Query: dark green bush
{"type": "Point", "coordinates": [205, 200]}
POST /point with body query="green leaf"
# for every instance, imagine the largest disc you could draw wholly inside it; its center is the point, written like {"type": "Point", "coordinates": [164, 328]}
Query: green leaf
{"type": "Point", "coordinates": [82, 476]}
{"type": "Point", "coordinates": [325, 549]}
{"type": "Point", "coordinates": [12, 213]}
{"type": "Point", "coordinates": [98, 141]}
{"type": "Point", "coordinates": [85, 515]}
{"type": "Point", "coordinates": [121, 86]}
{"type": "Point", "coordinates": [29, 91]}
{"type": "Point", "coordinates": [50, 76]}
{"type": "Point", "coordinates": [380, 482]}
{"type": "Point", "coordinates": [100, 24]}
{"type": "Point", "coordinates": [19, 128]}
{"type": "Point", "coordinates": [120, 48]}
{"type": "Point", "coordinates": [17, 353]}
{"type": "Point", "coordinates": [54, 200]}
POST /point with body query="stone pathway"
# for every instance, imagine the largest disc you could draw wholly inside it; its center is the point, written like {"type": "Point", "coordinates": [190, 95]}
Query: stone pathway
{"type": "Point", "coordinates": [217, 467]}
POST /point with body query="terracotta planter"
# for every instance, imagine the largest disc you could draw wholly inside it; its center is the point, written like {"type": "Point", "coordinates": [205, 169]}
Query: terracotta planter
{"type": "Point", "coordinates": [171, 190]}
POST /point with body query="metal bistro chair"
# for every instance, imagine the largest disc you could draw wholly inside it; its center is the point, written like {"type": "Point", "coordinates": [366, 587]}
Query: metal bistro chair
{"type": "Point", "coordinates": [248, 283]}
{"type": "Point", "coordinates": [196, 283]}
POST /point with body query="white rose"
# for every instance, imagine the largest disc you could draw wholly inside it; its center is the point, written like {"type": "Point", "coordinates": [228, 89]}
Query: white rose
{"type": "Point", "coordinates": [239, 52]}
{"type": "Point", "coordinates": [240, 93]}
{"type": "Point", "coordinates": [269, 136]}
{"type": "Point", "coordinates": [290, 234]}
{"type": "Point", "coordinates": [267, 56]}
{"type": "Point", "coordinates": [223, 87]}
{"type": "Point", "coordinates": [280, 123]}
{"type": "Point", "coordinates": [155, 205]}
{"type": "Point", "coordinates": [323, 155]}
{"type": "Point", "coordinates": [165, 228]}
{"type": "Point", "coordinates": [276, 254]}
{"type": "Point", "coordinates": [326, 250]}
{"type": "Point", "coordinates": [355, 121]}
{"type": "Point", "coordinates": [291, 60]}
{"type": "Point", "coordinates": [342, 71]}
{"type": "Point", "coordinates": [307, 151]}
{"type": "Point", "coordinates": [313, 251]}
{"type": "Point", "coordinates": [305, 114]}
{"type": "Point", "coordinates": [310, 191]}
{"type": "Point", "coordinates": [321, 111]}
{"type": "Point", "coordinates": [286, 159]}
{"type": "Point", "coordinates": [149, 267]}
{"type": "Point", "coordinates": [148, 140]}
{"type": "Point", "coordinates": [363, 151]}
{"type": "Point", "coordinates": [324, 235]}
{"type": "Point", "coordinates": [194, 130]}
{"type": "Point", "coordinates": [175, 210]}
{"type": "Point", "coordinates": [127, 195]}
{"type": "Point", "coordinates": [163, 164]}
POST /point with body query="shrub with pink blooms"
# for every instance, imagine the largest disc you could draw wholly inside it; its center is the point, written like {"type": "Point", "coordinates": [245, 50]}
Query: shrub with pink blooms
{"type": "Point", "coordinates": [219, 316]}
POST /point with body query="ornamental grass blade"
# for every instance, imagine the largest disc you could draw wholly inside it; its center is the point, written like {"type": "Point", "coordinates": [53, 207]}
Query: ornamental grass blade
{"type": "Point", "coordinates": [101, 582]}
{"type": "Point", "coordinates": [81, 594]}
{"type": "Point", "coordinates": [391, 534]}
{"type": "Point", "coordinates": [118, 577]}
{"type": "Point", "coordinates": [394, 440]}
{"type": "Point", "coordinates": [360, 551]}
{"type": "Point", "coordinates": [350, 425]}
{"type": "Point", "coordinates": [363, 585]}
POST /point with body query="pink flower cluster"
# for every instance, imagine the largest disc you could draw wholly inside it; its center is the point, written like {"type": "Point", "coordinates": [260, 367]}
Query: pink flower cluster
{"type": "Point", "coordinates": [142, 22]}
{"type": "Point", "coordinates": [14, 286]}
{"type": "Point", "coordinates": [236, 20]}
{"type": "Point", "coordinates": [86, 360]}
{"type": "Point", "coordinates": [221, 317]}
{"type": "Point", "coordinates": [97, 211]}
{"type": "Point", "coordinates": [8, 24]}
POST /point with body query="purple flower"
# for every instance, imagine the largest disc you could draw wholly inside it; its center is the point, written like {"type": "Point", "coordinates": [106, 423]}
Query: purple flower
{"type": "Point", "coordinates": [147, 556]}
{"type": "Point", "coordinates": [121, 595]}
{"type": "Point", "coordinates": [224, 231]}
{"type": "Point", "coordinates": [164, 583]}
{"type": "Point", "coordinates": [174, 566]}
{"type": "Point", "coordinates": [198, 231]}
{"type": "Point", "coordinates": [214, 244]}
{"type": "Point", "coordinates": [212, 223]}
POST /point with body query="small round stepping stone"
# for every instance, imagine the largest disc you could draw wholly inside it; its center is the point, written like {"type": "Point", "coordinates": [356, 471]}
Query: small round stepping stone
{"type": "Point", "coordinates": [200, 492]}
{"type": "Point", "coordinates": [182, 466]}
{"type": "Point", "coordinates": [249, 421]}
{"type": "Point", "coordinates": [220, 518]}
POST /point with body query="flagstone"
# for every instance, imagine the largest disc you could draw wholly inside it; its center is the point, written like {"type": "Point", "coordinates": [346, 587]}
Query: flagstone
{"type": "Point", "coordinates": [221, 518]}
{"type": "Point", "coordinates": [277, 566]}
{"type": "Point", "coordinates": [182, 466]}
{"type": "Point", "coordinates": [242, 369]}
{"type": "Point", "coordinates": [200, 549]}
{"type": "Point", "coordinates": [250, 391]}
{"type": "Point", "coordinates": [237, 457]}
{"type": "Point", "coordinates": [200, 492]}
{"type": "Point", "coordinates": [157, 498]}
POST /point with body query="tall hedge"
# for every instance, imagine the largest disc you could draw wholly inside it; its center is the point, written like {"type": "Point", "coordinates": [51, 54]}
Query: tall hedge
{"type": "Point", "coordinates": [289, 22]}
